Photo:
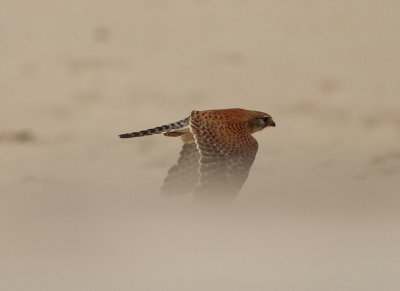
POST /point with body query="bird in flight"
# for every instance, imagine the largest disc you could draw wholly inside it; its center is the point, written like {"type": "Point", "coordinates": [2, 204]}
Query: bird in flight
{"type": "Point", "coordinates": [217, 153]}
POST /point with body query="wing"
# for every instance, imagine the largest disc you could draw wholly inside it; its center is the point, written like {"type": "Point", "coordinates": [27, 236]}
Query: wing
{"type": "Point", "coordinates": [184, 175]}
{"type": "Point", "coordinates": [227, 153]}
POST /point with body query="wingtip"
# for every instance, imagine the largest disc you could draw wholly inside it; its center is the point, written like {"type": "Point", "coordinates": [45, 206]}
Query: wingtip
{"type": "Point", "coordinates": [125, 135]}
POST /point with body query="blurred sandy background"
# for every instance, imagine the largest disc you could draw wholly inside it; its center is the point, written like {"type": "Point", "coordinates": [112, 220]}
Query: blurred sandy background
{"type": "Point", "coordinates": [80, 208]}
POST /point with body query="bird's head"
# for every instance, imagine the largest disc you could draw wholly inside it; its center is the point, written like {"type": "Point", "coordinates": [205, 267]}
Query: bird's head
{"type": "Point", "coordinates": [258, 121]}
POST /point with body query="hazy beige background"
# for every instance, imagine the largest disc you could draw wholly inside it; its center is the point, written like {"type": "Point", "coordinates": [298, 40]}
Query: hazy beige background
{"type": "Point", "coordinates": [80, 208]}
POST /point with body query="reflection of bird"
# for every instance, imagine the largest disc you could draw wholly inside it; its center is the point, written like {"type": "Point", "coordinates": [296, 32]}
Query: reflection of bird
{"type": "Point", "coordinates": [217, 154]}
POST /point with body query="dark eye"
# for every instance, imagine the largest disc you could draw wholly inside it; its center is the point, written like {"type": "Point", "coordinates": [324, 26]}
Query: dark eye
{"type": "Point", "coordinates": [265, 119]}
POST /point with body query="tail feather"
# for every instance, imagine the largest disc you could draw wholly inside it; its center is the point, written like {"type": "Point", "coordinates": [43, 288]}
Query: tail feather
{"type": "Point", "coordinates": [157, 130]}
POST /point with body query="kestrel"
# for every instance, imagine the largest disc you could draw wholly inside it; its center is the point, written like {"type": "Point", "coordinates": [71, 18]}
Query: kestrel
{"type": "Point", "coordinates": [217, 153]}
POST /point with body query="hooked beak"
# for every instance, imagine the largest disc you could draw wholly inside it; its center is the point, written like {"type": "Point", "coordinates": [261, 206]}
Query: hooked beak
{"type": "Point", "coordinates": [271, 122]}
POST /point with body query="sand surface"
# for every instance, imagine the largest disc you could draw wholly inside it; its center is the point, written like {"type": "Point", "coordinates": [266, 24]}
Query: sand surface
{"type": "Point", "coordinates": [80, 208]}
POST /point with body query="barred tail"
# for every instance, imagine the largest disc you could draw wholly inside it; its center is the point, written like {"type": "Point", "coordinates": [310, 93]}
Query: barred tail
{"type": "Point", "coordinates": [160, 129]}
